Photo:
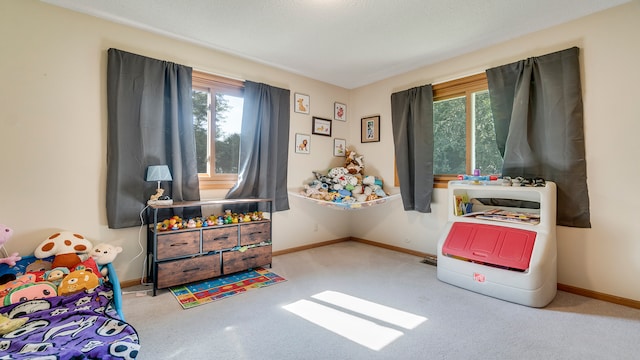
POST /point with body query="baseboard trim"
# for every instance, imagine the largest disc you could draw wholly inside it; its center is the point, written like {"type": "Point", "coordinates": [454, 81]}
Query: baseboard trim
{"type": "Point", "coordinates": [310, 246]}
{"type": "Point", "coordinates": [129, 283]}
{"type": "Point", "coordinates": [600, 296]}
{"type": "Point", "coordinates": [391, 247]}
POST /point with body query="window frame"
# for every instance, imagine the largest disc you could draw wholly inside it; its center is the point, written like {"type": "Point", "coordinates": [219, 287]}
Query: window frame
{"type": "Point", "coordinates": [465, 86]}
{"type": "Point", "coordinates": [214, 83]}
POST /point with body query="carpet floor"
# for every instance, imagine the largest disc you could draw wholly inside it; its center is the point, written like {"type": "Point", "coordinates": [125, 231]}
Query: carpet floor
{"type": "Point", "coordinates": [355, 301]}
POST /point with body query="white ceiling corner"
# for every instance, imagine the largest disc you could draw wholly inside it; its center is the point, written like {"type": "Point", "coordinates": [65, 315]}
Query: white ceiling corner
{"type": "Point", "coordinates": [348, 43]}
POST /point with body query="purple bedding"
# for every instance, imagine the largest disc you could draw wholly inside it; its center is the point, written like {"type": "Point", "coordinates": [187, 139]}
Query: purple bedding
{"type": "Point", "coordinates": [79, 326]}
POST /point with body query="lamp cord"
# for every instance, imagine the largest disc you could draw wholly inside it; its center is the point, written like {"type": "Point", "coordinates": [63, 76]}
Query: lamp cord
{"type": "Point", "coordinates": [144, 263]}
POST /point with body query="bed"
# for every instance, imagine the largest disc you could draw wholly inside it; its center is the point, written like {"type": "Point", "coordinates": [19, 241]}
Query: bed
{"type": "Point", "coordinates": [87, 324]}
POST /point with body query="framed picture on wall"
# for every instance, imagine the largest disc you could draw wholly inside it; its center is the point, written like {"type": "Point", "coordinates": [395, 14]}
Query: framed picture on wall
{"type": "Point", "coordinates": [340, 111]}
{"type": "Point", "coordinates": [339, 147]}
{"type": "Point", "coordinates": [303, 144]}
{"type": "Point", "coordinates": [321, 126]}
{"type": "Point", "coordinates": [301, 103]}
{"type": "Point", "coordinates": [370, 129]}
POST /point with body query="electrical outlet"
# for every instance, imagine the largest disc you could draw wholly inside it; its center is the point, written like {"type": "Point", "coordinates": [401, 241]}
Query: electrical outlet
{"type": "Point", "coordinates": [315, 227]}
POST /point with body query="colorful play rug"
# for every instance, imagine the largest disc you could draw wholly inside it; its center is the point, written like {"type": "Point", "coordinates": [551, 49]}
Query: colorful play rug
{"type": "Point", "coordinates": [203, 292]}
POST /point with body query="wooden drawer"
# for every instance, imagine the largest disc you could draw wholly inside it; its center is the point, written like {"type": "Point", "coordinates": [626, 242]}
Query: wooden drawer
{"type": "Point", "coordinates": [219, 238]}
{"type": "Point", "coordinates": [234, 261]}
{"type": "Point", "coordinates": [177, 244]}
{"type": "Point", "coordinates": [184, 271]}
{"type": "Point", "coordinates": [255, 233]}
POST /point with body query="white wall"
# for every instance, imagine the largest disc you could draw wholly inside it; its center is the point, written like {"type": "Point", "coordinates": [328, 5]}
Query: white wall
{"type": "Point", "coordinates": [54, 123]}
{"type": "Point", "coordinates": [605, 258]}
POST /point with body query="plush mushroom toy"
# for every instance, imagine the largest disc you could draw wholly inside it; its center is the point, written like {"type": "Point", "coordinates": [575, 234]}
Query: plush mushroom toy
{"type": "Point", "coordinates": [66, 246]}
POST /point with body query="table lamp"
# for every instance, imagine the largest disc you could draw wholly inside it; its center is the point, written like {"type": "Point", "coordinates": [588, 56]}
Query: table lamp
{"type": "Point", "coordinates": [159, 173]}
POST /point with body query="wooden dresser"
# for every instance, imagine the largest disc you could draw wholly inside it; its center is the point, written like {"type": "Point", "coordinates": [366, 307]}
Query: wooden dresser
{"type": "Point", "coordinates": [177, 257]}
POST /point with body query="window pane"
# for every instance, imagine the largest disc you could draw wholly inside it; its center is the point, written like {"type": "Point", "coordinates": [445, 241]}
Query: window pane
{"type": "Point", "coordinates": [201, 127]}
{"type": "Point", "coordinates": [228, 125]}
{"type": "Point", "coordinates": [487, 156]}
{"type": "Point", "coordinates": [449, 136]}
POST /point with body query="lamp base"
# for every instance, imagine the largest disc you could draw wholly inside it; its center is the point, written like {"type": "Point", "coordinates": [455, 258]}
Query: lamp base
{"type": "Point", "coordinates": [160, 202]}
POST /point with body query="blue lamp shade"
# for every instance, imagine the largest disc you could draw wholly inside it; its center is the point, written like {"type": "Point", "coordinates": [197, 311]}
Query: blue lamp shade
{"type": "Point", "coordinates": [158, 173]}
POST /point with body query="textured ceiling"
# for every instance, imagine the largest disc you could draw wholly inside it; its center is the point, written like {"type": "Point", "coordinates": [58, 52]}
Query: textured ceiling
{"type": "Point", "coordinates": [348, 43]}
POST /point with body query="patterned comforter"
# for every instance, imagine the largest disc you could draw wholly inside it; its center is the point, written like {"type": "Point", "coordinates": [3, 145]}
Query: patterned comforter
{"type": "Point", "coordinates": [80, 326]}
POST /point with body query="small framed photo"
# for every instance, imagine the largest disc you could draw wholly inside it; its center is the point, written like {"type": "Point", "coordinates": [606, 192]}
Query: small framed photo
{"type": "Point", "coordinates": [301, 103]}
{"type": "Point", "coordinates": [339, 147]}
{"type": "Point", "coordinates": [303, 143]}
{"type": "Point", "coordinates": [370, 129]}
{"type": "Point", "coordinates": [340, 111]}
{"type": "Point", "coordinates": [321, 126]}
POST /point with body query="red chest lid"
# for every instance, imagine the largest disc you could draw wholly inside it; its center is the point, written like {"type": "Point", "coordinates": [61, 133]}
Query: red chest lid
{"type": "Point", "coordinates": [493, 244]}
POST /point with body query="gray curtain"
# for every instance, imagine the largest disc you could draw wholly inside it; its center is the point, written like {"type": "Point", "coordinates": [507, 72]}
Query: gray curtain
{"type": "Point", "coordinates": [537, 110]}
{"type": "Point", "coordinates": [264, 145]}
{"type": "Point", "coordinates": [412, 121]}
{"type": "Point", "coordinates": [149, 123]}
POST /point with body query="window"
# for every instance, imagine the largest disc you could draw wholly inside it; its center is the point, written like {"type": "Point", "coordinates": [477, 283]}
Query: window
{"type": "Point", "coordinates": [217, 119]}
{"type": "Point", "coordinates": [463, 131]}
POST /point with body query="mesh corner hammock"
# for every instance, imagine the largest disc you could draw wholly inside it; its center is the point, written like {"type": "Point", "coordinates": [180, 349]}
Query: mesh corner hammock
{"type": "Point", "coordinates": [348, 206]}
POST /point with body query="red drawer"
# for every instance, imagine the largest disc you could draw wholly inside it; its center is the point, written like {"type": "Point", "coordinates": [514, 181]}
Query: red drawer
{"type": "Point", "coordinates": [491, 244]}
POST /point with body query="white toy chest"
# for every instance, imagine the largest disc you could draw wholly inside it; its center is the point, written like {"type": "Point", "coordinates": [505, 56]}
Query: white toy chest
{"type": "Point", "coordinates": [501, 247]}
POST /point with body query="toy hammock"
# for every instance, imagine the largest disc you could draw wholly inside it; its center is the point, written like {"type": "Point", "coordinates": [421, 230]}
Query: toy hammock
{"type": "Point", "coordinates": [348, 206]}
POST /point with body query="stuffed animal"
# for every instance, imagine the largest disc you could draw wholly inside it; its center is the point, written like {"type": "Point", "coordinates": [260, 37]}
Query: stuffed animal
{"type": "Point", "coordinates": [56, 275]}
{"type": "Point", "coordinates": [66, 246]}
{"type": "Point", "coordinates": [78, 280]}
{"type": "Point", "coordinates": [354, 163]}
{"type": "Point", "coordinates": [104, 254]}
{"type": "Point", "coordinates": [8, 324]}
{"type": "Point", "coordinates": [37, 290]}
{"type": "Point", "coordinates": [21, 280]}
{"type": "Point", "coordinates": [5, 234]}
{"type": "Point", "coordinates": [157, 195]}
{"type": "Point", "coordinates": [38, 266]}
{"type": "Point", "coordinates": [314, 190]}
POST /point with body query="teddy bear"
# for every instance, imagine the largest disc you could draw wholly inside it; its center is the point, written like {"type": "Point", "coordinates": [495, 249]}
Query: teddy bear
{"type": "Point", "coordinates": [78, 280]}
{"type": "Point", "coordinates": [104, 254]}
{"type": "Point", "coordinates": [5, 235]}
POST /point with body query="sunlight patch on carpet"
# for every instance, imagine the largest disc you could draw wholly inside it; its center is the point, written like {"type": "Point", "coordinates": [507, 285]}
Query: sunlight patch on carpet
{"type": "Point", "coordinates": [384, 313]}
{"type": "Point", "coordinates": [204, 292]}
{"type": "Point", "coordinates": [361, 331]}
{"type": "Point", "coordinates": [355, 328]}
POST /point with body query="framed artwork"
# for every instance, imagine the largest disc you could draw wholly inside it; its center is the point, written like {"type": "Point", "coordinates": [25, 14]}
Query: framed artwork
{"type": "Point", "coordinates": [321, 126]}
{"type": "Point", "coordinates": [301, 103]}
{"type": "Point", "coordinates": [370, 129]}
{"type": "Point", "coordinates": [303, 143]}
{"type": "Point", "coordinates": [340, 111]}
{"type": "Point", "coordinates": [339, 147]}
